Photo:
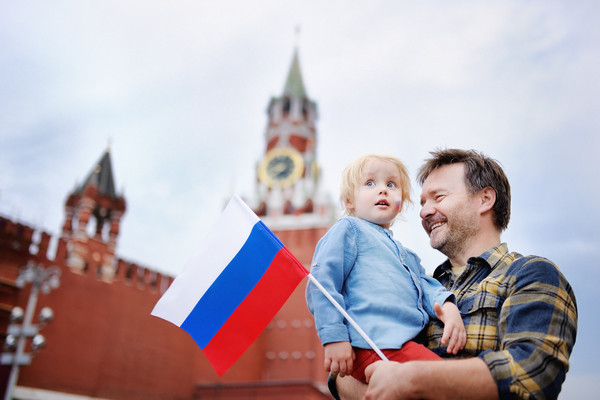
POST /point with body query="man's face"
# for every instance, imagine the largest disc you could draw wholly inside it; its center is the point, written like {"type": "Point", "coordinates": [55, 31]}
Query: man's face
{"type": "Point", "coordinates": [449, 214]}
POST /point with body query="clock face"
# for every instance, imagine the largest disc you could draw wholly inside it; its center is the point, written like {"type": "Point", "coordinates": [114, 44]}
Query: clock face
{"type": "Point", "coordinates": [281, 167]}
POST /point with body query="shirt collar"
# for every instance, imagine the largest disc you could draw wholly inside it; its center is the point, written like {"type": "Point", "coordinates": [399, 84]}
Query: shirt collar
{"type": "Point", "coordinates": [388, 231]}
{"type": "Point", "coordinates": [491, 258]}
{"type": "Point", "coordinates": [495, 255]}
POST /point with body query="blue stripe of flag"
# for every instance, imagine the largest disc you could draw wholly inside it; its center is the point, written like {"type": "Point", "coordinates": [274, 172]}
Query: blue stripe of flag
{"type": "Point", "coordinates": [233, 285]}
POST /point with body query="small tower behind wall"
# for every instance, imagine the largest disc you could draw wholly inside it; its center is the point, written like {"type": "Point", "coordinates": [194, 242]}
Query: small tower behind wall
{"type": "Point", "coordinates": [93, 213]}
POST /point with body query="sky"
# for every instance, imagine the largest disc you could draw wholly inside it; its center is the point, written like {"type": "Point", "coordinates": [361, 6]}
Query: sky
{"type": "Point", "coordinates": [179, 92]}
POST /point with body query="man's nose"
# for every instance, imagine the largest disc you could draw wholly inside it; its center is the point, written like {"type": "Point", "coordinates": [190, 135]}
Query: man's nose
{"type": "Point", "coordinates": [426, 210]}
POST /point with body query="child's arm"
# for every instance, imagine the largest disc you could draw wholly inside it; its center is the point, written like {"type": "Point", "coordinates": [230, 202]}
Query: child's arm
{"type": "Point", "coordinates": [339, 357]}
{"type": "Point", "coordinates": [454, 329]}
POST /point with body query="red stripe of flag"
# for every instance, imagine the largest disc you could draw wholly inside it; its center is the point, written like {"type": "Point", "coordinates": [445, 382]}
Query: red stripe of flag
{"type": "Point", "coordinates": [255, 312]}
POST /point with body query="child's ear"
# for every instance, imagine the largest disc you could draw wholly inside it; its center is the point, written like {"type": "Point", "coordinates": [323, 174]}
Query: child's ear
{"type": "Point", "coordinates": [348, 204]}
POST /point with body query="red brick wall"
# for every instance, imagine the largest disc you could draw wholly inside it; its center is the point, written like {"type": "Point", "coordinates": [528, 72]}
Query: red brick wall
{"type": "Point", "coordinates": [104, 343]}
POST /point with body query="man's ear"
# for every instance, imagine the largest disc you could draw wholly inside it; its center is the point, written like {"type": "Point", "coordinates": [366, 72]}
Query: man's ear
{"type": "Point", "coordinates": [487, 198]}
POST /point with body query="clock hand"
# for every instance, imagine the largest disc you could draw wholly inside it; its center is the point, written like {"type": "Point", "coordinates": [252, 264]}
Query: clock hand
{"type": "Point", "coordinates": [278, 168]}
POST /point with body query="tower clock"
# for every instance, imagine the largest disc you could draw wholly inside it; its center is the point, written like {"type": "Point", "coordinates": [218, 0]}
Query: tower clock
{"type": "Point", "coordinates": [281, 167]}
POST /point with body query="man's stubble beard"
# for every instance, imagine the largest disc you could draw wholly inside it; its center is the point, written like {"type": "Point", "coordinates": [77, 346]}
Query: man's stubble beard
{"type": "Point", "coordinates": [460, 229]}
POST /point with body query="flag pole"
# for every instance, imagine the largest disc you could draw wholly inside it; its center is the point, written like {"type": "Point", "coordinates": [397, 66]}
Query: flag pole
{"type": "Point", "coordinates": [348, 317]}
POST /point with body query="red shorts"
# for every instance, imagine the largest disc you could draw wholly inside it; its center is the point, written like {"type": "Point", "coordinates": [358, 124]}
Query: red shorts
{"type": "Point", "coordinates": [410, 351]}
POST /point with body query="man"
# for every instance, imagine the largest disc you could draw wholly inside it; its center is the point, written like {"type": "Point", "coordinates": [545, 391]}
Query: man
{"type": "Point", "coordinates": [519, 312]}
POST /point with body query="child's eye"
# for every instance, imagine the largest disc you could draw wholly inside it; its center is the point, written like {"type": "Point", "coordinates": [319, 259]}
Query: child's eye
{"type": "Point", "coordinates": [370, 183]}
{"type": "Point", "coordinates": [391, 185]}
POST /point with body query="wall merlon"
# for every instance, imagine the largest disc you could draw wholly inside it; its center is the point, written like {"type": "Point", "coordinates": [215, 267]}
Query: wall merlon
{"type": "Point", "coordinates": [142, 277]}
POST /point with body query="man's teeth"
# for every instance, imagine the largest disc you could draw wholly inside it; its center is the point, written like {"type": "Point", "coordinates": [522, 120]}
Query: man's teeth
{"type": "Point", "coordinates": [436, 225]}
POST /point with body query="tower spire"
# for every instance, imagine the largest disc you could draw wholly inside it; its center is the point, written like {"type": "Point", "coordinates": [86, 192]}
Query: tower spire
{"type": "Point", "coordinates": [101, 177]}
{"type": "Point", "coordinates": [294, 84]}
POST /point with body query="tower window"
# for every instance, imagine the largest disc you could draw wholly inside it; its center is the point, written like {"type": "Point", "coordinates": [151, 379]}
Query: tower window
{"type": "Point", "coordinates": [305, 108]}
{"type": "Point", "coordinates": [287, 106]}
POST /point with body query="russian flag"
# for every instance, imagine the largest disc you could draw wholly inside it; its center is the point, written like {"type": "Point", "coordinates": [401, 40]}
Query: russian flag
{"type": "Point", "coordinates": [238, 282]}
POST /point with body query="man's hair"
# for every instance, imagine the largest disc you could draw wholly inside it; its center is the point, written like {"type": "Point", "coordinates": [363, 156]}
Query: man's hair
{"type": "Point", "coordinates": [353, 175]}
{"type": "Point", "coordinates": [480, 172]}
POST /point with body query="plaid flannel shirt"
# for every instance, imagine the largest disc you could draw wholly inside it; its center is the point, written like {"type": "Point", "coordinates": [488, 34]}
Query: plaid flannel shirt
{"type": "Point", "coordinates": [521, 320]}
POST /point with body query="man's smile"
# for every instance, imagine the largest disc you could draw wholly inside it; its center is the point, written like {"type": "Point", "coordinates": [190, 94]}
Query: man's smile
{"type": "Point", "coordinates": [437, 224]}
{"type": "Point", "coordinates": [431, 226]}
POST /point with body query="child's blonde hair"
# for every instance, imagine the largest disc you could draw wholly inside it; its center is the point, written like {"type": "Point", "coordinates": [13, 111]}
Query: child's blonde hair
{"type": "Point", "coordinates": [353, 175]}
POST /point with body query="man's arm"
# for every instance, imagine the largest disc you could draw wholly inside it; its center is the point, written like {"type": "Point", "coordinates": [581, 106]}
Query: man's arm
{"type": "Point", "coordinates": [447, 379]}
{"type": "Point", "coordinates": [537, 325]}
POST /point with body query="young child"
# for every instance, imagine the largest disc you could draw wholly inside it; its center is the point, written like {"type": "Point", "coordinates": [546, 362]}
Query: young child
{"type": "Point", "coordinates": [380, 283]}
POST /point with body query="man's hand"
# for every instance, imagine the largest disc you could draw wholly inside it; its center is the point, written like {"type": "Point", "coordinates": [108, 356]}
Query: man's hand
{"type": "Point", "coordinates": [454, 329]}
{"type": "Point", "coordinates": [388, 380]}
{"type": "Point", "coordinates": [339, 358]}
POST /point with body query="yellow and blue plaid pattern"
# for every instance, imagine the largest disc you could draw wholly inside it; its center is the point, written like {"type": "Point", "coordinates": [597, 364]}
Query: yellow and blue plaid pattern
{"type": "Point", "coordinates": [520, 315]}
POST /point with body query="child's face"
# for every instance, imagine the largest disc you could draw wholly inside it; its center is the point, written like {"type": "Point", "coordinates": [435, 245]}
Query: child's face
{"type": "Point", "coordinates": [378, 197]}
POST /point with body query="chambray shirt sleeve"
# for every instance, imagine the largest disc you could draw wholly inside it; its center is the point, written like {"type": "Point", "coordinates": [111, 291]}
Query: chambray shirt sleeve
{"type": "Point", "coordinates": [433, 290]}
{"type": "Point", "coordinates": [537, 326]}
{"type": "Point", "coordinates": [334, 257]}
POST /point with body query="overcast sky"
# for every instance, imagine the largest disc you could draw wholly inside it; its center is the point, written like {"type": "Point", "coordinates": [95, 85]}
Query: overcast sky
{"type": "Point", "coordinates": [179, 90]}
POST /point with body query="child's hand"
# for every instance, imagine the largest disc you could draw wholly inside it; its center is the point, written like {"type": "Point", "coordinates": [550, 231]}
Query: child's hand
{"type": "Point", "coordinates": [454, 329]}
{"type": "Point", "coordinates": [339, 357]}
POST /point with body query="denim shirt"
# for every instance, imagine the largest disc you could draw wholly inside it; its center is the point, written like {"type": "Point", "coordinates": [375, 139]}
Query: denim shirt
{"type": "Point", "coordinates": [380, 283]}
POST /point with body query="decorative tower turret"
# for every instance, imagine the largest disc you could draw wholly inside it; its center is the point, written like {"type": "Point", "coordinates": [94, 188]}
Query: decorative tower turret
{"type": "Point", "coordinates": [288, 175]}
{"type": "Point", "coordinates": [93, 213]}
